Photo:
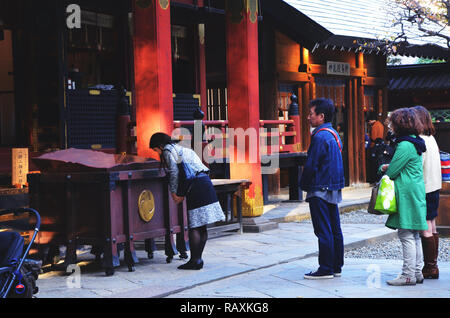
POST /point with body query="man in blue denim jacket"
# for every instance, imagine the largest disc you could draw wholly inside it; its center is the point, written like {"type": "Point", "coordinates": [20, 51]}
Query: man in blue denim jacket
{"type": "Point", "coordinates": [323, 179]}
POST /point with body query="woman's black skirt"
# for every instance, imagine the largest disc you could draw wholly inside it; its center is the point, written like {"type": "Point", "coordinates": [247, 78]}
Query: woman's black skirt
{"type": "Point", "coordinates": [432, 204]}
{"type": "Point", "coordinates": [202, 203]}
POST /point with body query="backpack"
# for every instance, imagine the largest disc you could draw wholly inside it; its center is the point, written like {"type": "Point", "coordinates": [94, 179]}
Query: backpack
{"type": "Point", "coordinates": [186, 175]}
{"type": "Point", "coordinates": [445, 166]}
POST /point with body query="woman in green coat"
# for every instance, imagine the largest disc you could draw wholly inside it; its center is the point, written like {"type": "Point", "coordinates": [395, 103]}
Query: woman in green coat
{"type": "Point", "coordinates": [406, 171]}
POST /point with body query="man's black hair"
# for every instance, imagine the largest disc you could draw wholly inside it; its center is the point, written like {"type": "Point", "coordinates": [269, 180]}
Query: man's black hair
{"type": "Point", "coordinates": [323, 106]}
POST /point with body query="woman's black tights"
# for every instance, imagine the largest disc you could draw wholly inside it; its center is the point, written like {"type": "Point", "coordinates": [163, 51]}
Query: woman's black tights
{"type": "Point", "coordinates": [197, 241]}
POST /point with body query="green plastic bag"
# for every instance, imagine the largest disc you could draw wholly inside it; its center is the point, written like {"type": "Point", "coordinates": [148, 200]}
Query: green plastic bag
{"type": "Point", "coordinates": [386, 202]}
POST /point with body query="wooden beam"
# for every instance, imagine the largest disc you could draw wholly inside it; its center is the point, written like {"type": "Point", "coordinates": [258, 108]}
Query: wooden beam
{"type": "Point", "coordinates": [374, 81]}
{"type": "Point", "coordinates": [322, 69]}
{"type": "Point", "coordinates": [297, 77]}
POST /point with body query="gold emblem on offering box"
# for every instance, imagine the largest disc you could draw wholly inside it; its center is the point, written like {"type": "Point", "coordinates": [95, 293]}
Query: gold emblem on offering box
{"type": "Point", "coordinates": [146, 205]}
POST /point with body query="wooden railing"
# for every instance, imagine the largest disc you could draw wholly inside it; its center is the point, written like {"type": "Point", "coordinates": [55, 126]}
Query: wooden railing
{"type": "Point", "coordinates": [288, 144]}
{"type": "Point", "coordinates": [287, 138]}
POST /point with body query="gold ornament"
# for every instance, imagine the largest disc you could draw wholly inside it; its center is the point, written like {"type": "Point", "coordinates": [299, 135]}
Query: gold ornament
{"type": "Point", "coordinates": [146, 204]}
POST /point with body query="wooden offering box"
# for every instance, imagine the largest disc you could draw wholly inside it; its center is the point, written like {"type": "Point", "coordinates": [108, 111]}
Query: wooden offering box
{"type": "Point", "coordinates": [90, 198]}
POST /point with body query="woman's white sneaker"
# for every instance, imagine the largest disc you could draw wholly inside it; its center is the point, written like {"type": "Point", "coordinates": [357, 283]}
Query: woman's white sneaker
{"type": "Point", "coordinates": [402, 281]}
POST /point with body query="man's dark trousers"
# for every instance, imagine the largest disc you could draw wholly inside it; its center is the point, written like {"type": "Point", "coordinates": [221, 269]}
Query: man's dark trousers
{"type": "Point", "coordinates": [327, 228]}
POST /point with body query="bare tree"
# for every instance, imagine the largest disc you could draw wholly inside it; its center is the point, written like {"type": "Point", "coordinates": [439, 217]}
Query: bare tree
{"type": "Point", "coordinates": [429, 17]}
{"type": "Point", "coordinates": [413, 22]}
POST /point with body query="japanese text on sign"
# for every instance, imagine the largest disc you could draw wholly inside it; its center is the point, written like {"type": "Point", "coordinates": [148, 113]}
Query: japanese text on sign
{"type": "Point", "coordinates": [338, 68]}
{"type": "Point", "coordinates": [19, 166]}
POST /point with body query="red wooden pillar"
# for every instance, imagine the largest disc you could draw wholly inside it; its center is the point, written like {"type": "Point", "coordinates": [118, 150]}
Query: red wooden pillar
{"type": "Point", "coordinates": [152, 71]}
{"type": "Point", "coordinates": [243, 98]}
{"type": "Point", "coordinates": [202, 68]}
{"type": "Point", "coordinates": [201, 78]}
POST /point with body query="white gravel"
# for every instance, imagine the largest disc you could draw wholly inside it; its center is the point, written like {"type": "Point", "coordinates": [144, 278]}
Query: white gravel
{"type": "Point", "coordinates": [362, 217]}
{"type": "Point", "coordinates": [387, 249]}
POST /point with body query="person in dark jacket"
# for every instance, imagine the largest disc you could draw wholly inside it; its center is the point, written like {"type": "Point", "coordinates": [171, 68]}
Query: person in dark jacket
{"type": "Point", "coordinates": [323, 179]}
{"type": "Point", "coordinates": [376, 147]}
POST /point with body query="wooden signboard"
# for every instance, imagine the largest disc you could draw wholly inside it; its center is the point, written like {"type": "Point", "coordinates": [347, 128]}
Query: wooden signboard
{"type": "Point", "coordinates": [19, 166]}
{"type": "Point", "coordinates": [338, 68]}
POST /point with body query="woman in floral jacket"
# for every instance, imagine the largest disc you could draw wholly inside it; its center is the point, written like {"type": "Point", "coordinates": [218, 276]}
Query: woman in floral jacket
{"type": "Point", "coordinates": [201, 199]}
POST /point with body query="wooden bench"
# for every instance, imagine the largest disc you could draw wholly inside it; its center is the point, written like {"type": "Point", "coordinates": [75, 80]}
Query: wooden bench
{"type": "Point", "coordinates": [228, 192]}
{"type": "Point", "coordinates": [294, 162]}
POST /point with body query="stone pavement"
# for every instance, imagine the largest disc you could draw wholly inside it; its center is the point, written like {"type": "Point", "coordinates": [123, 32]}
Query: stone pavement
{"type": "Point", "coordinates": [280, 210]}
{"type": "Point", "coordinates": [361, 278]}
{"type": "Point", "coordinates": [266, 264]}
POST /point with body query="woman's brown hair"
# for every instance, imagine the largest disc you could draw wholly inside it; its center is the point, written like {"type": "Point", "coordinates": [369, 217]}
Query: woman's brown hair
{"type": "Point", "coordinates": [425, 118]}
{"type": "Point", "coordinates": [405, 122]}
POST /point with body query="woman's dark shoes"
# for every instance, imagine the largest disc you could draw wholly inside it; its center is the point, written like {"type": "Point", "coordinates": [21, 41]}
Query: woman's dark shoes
{"type": "Point", "coordinates": [193, 265]}
{"type": "Point", "coordinates": [183, 255]}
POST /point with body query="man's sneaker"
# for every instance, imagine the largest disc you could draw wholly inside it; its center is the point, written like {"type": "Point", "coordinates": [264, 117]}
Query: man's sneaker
{"type": "Point", "coordinates": [337, 274]}
{"type": "Point", "coordinates": [402, 281]}
{"type": "Point", "coordinates": [318, 275]}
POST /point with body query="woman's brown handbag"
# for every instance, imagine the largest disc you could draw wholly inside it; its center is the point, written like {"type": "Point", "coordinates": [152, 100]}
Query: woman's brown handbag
{"type": "Point", "coordinates": [373, 200]}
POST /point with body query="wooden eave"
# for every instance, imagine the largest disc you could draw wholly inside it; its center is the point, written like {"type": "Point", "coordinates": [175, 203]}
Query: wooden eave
{"type": "Point", "coordinates": [294, 23]}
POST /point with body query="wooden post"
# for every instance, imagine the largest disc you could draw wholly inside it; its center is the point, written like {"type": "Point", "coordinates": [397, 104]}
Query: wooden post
{"type": "Point", "coordinates": [304, 56]}
{"type": "Point", "coordinates": [355, 130]}
{"type": "Point", "coordinates": [350, 124]}
{"type": "Point", "coordinates": [201, 71]}
{"type": "Point", "coordinates": [312, 87]}
{"type": "Point", "coordinates": [360, 136]}
{"type": "Point", "coordinates": [384, 103]}
{"type": "Point", "coordinates": [306, 135]}
{"type": "Point", "coordinates": [360, 60]}
{"type": "Point", "coordinates": [243, 97]}
{"type": "Point", "coordinates": [152, 71]}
